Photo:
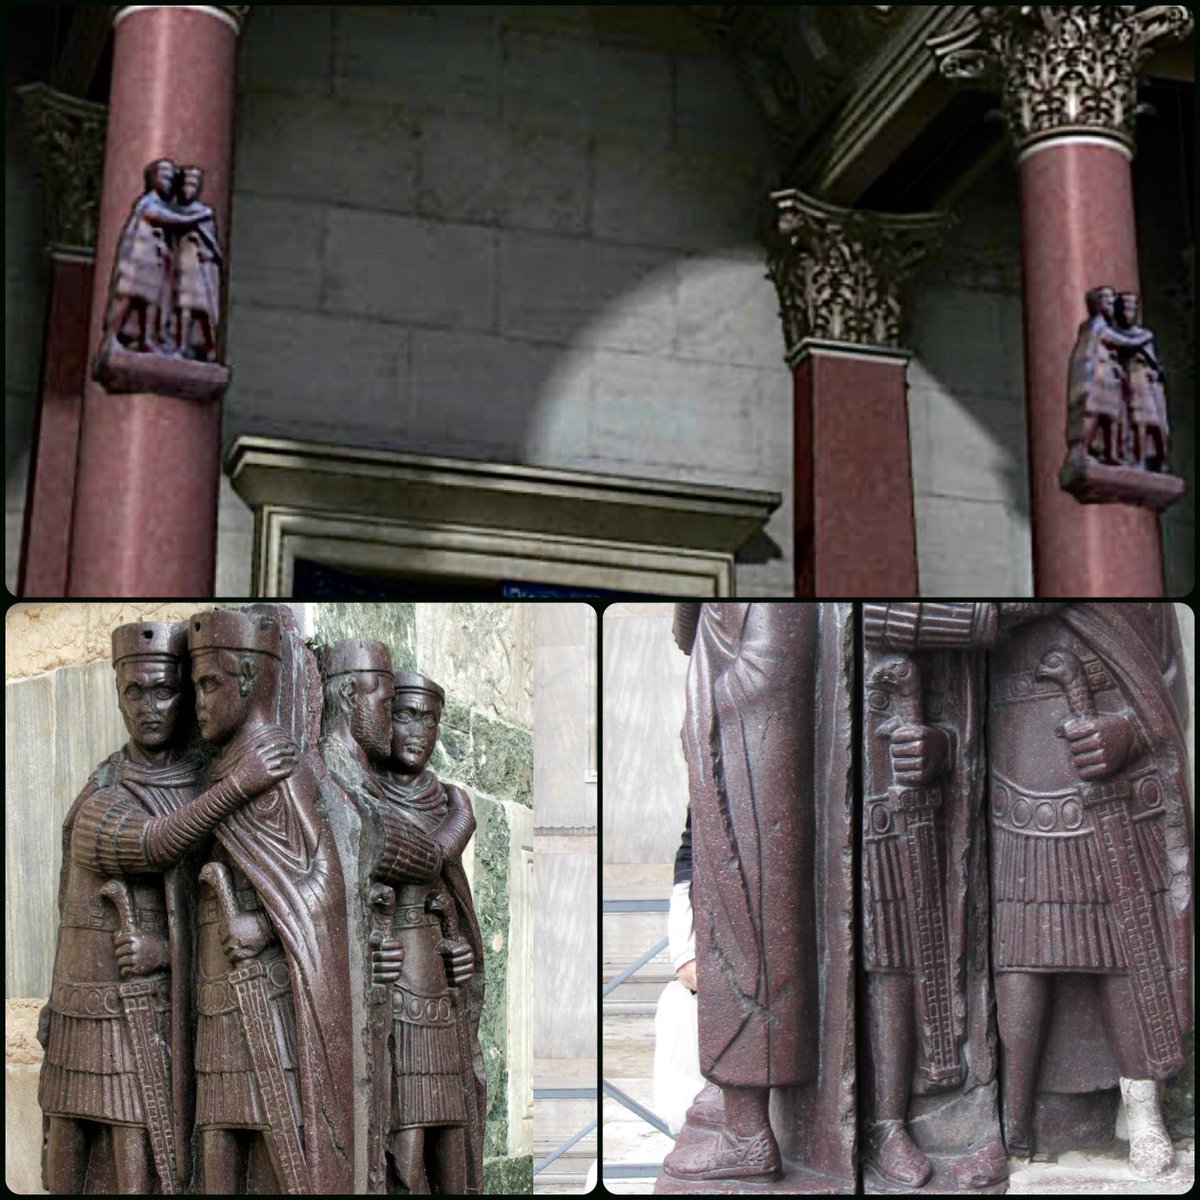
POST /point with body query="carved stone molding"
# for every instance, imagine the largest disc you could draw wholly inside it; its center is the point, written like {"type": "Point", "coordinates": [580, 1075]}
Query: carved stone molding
{"type": "Point", "coordinates": [796, 59]}
{"type": "Point", "coordinates": [1062, 69]}
{"type": "Point", "coordinates": [69, 136]}
{"type": "Point", "coordinates": [839, 272]}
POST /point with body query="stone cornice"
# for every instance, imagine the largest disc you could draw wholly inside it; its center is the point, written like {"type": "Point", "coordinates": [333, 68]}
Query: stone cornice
{"type": "Point", "coordinates": [896, 91]}
{"type": "Point", "coordinates": [1062, 69]}
{"type": "Point", "coordinates": [796, 59]}
{"type": "Point", "coordinates": [69, 136]}
{"type": "Point", "coordinates": [839, 272]}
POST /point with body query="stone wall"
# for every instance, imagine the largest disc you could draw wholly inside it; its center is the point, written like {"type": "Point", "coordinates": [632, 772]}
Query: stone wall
{"type": "Point", "coordinates": [517, 233]}
{"type": "Point", "coordinates": [966, 401]}
{"type": "Point", "coordinates": [62, 719]}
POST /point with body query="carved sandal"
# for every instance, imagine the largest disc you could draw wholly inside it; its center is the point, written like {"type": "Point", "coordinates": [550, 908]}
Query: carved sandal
{"type": "Point", "coordinates": [726, 1156]}
{"type": "Point", "coordinates": [895, 1155]}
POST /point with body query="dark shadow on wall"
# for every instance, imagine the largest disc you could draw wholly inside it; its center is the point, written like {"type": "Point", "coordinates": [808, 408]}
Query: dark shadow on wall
{"type": "Point", "coordinates": [28, 37]}
{"type": "Point", "coordinates": [1165, 194]}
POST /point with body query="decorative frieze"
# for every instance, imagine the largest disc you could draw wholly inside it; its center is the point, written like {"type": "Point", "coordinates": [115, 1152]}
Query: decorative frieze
{"type": "Point", "coordinates": [68, 134]}
{"type": "Point", "coordinates": [839, 272]}
{"type": "Point", "coordinates": [1062, 69]}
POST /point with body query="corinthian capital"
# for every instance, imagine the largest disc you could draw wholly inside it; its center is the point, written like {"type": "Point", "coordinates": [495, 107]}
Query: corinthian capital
{"type": "Point", "coordinates": [1062, 69]}
{"type": "Point", "coordinates": [238, 14]}
{"type": "Point", "coordinates": [839, 272]}
{"type": "Point", "coordinates": [68, 134]}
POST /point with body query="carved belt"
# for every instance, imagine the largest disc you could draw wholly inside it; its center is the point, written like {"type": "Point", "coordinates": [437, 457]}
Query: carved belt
{"type": "Point", "coordinates": [208, 911]}
{"type": "Point", "coordinates": [104, 917]}
{"type": "Point", "coordinates": [411, 915]}
{"type": "Point", "coordinates": [1022, 685]}
{"type": "Point", "coordinates": [421, 1010]}
{"type": "Point", "coordinates": [1063, 812]}
{"type": "Point", "coordinates": [99, 1001]}
{"type": "Point", "coordinates": [216, 996]}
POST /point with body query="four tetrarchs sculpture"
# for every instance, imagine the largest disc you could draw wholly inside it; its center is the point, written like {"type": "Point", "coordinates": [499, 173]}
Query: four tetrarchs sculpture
{"type": "Point", "coordinates": [246, 930]}
{"type": "Point", "coordinates": [163, 321]}
{"type": "Point", "coordinates": [1118, 425]}
{"type": "Point", "coordinates": [1024, 843]}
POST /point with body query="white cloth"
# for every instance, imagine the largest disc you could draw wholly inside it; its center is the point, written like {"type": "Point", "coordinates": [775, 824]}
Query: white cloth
{"type": "Point", "coordinates": [677, 1078]}
{"type": "Point", "coordinates": [681, 931]}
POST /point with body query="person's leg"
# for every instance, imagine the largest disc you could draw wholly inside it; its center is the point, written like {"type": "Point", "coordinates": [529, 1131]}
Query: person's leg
{"type": "Point", "coordinates": [1150, 1150]}
{"type": "Point", "coordinates": [261, 1177]}
{"type": "Point", "coordinates": [446, 1159]}
{"type": "Point", "coordinates": [66, 1156]}
{"type": "Point", "coordinates": [1022, 1012]}
{"type": "Point", "coordinates": [891, 1055]}
{"type": "Point", "coordinates": [222, 1169]}
{"type": "Point", "coordinates": [407, 1150]}
{"type": "Point", "coordinates": [135, 1165]}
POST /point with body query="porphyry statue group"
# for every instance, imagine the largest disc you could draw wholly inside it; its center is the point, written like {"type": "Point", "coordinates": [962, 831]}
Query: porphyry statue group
{"type": "Point", "coordinates": [1117, 410]}
{"type": "Point", "coordinates": [956, 940]}
{"type": "Point", "coordinates": [241, 917]}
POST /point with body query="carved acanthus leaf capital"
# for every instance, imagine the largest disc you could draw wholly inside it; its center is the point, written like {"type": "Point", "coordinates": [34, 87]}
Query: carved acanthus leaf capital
{"type": "Point", "coordinates": [69, 136]}
{"type": "Point", "coordinates": [1062, 68]}
{"type": "Point", "coordinates": [240, 13]}
{"type": "Point", "coordinates": [839, 272]}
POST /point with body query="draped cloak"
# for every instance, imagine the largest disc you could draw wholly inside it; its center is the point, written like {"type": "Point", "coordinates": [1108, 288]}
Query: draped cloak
{"type": "Point", "coordinates": [283, 844]}
{"type": "Point", "coordinates": [748, 738]}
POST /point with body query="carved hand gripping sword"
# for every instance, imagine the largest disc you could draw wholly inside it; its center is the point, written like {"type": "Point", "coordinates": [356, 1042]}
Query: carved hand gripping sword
{"type": "Point", "coordinates": [1125, 877]}
{"type": "Point", "coordinates": [149, 1050]}
{"type": "Point", "coordinates": [924, 887]}
{"type": "Point", "coordinates": [250, 988]}
{"type": "Point", "coordinates": [382, 903]}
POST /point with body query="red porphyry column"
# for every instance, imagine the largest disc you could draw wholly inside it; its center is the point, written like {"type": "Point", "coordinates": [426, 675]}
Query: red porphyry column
{"type": "Point", "coordinates": [855, 526]}
{"type": "Point", "coordinates": [145, 520]}
{"type": "Point", "coordinates": [1068, 79]}
{"type": "Point", "coordinates": [1072, 243]}
{"type": "Point", "coordinates": [68, 135]}
{"type": "Point", "coordinates": [839, 274]}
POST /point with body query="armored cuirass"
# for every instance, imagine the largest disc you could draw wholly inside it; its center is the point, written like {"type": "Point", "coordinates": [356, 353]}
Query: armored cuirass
{"type": "Point", "coordinates": [1051, 899]}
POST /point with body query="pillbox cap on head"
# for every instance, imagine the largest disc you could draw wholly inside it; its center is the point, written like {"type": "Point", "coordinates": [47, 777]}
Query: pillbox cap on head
{"type": "Point", "coordinates": [410, 681]}
{"type": "Point", "coordinates": [229, 629]}
{"type": "Point", "coordinates": [354, 655]}
{"type": "Point", "coordinates": [149, 639]}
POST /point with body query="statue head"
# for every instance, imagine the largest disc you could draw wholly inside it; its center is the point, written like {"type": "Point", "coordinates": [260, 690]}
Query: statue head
{"type": "Point", "coordinates": [161, 176]}
{"type": "Point", "coordinates": [1101, 302]}
{"type": "Point", "coordinates": [191, 180]}
{"type": "Point", "coordinates": [235, 670]}
{"type": "Point", "coordinates": [1129, 310]}
{"type": "Point", "coordinates": [416, 711]}
{"type": "Point", "coordinates": [357, 676]}
{"type": "Point", "coordinates": [149, 657]}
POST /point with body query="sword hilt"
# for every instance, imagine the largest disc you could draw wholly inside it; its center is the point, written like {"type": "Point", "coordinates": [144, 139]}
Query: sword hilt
{"type": "Point", "coordinates": [382, 902]}
{"type": "Point", "coordinates": [117, 892]}
{"type": "Point", "coordinates": [217, 876]}
{"type": "Point", "coordinates": [1065, 668]}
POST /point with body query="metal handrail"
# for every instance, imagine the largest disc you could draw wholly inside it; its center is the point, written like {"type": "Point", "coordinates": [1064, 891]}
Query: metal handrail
{"type": "Point", "coordinates": [565, 1093]}
{"type": "Point", "coordinates": [633, 1170]}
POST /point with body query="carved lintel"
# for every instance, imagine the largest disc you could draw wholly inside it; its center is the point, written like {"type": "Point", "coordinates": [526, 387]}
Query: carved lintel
{"type": "Point", "coordinates": [69, 136]}
{"type": "Point", "coordinates": [1062, 69]}
{"type": "Point", "coordinates": [839, 272]}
